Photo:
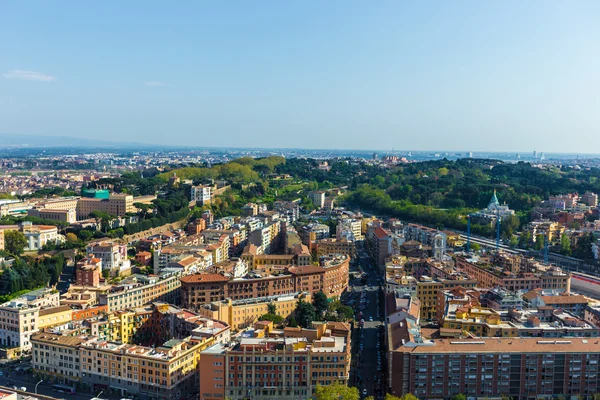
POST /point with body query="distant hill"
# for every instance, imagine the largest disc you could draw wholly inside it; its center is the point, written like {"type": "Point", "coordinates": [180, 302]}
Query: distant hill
{"type": "Point", "coordinates": [35, 141]}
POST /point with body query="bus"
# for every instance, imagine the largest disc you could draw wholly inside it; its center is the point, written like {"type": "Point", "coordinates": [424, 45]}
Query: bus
{"type": "Point", "coordinates": [63, 389]}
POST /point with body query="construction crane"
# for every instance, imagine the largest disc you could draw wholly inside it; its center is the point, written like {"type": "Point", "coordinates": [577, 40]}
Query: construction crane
{"type": "Point", "coordinates": [498, 219]}
{"type": "Point", "coordinates": [468, 233]}
{"type": "Point", "coordinates": [546, 249]}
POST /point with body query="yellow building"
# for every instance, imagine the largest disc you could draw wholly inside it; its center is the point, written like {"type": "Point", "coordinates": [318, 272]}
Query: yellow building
{"type": "Point", "coordinates": [427, 293]}
{"type": "Point", "coordinates": [54, 316]}
{"type": "Point", "coordinates": [453, 239]}
{"type": "Point", "coordinates": [334, 246]}
{"type": "Point", "coordinates": [240, 314]}
{"type": "Point", "coordinates": [478, 321]}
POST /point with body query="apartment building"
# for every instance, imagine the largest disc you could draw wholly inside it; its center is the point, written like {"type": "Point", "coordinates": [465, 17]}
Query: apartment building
{"type": "Point", "coordinates": [113, 255]}
{"type": "Point", "coordinates": [117, 205]}
{"type": "Point", "coordinates": [317, 198]}
{"type": "Point", "coordinates": [145, 290]}
{"type": "Point", "coordinates": [335, 246]}
{"type": "Point", "coordinates": [427, 236]}
{"type": "Point", "coordinates": [312, 232]}
{"type": "Point", "coordinates": [250, 210]}
{"type": "Point", "coordinates": [519, 368]}
{"type": "Point", "coordinates": [488, 276]}
{"type": "Point", "coordinates": [88, 271]}
{"type": "Point", "coordinates": [56, 357]}
{"type": "Point", "coordinates": [427, 293]}
{"type": "Point", "coordinates": [241, 314]}
{"type": "Point", "coordinates": [19, 322]}
{"type": "Point", "coordinates": [287, 366]}
{"type": "Point", "coordinates": [19, 319]}
{"type": "Point", "coordinates": [380, 244]}
{"type": "Point", "coordinates": [268, 238]}
{"type": "Point", "coordinates": [331, 277]}
{"type": "Point", "coordinates": [349, 229]}
{"type": "Point", "coordinates": [289, 210]}
{"type": "Point", "coordinates": [480, 321]}
{"type": "Point", "coordinates": [168, 371]}
{"type": "Point", "coordinates": [257, 260]}
{"type": "Point", "coordinates": [590, 199]}
{"type": "Point", "coordinates": [201, 194]}
{"type": "Point", "coordinates": [549, 229]}
{"type": "Point", "coordinates": [52, 316]}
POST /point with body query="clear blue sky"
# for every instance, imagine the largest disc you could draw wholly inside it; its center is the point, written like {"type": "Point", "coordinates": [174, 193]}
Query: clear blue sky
{"type": "Point", "coordinates": [469, 75]}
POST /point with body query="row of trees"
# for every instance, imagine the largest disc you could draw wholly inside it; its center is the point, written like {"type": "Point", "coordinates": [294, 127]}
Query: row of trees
{"type": "Point", "coordinates": [28, 273]}
{"type": "Point", "coordinates": [320, 309]}
{"type": "Point", "coordinates": [338, 391]}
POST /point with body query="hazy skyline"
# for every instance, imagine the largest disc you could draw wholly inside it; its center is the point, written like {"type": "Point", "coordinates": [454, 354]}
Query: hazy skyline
{"type": "Point", "coordinates": [481, 76]}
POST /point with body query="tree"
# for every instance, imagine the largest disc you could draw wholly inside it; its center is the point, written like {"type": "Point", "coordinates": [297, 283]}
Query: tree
{"type": "Point", "coordinates": [305, 314]}
{"type": "Point", "coordinates": [336, 391]}
{"type": "Point", "coordinates": [71, 237]}
{"type": "Point", "coordinates": [405, 397]}
{"type": "Point", "coordinates": [459, 396]}
{"type": "Point", "coordinates": [475, 247]}
{"type": "Point", "coordinates": [276, 319]}
{"type": "Point", "coordinates": [321, 303]}
{"type": "Point", "coordinates": [105, 273]}
{"type": "Point", "coordinates": [291, 321]}
{"type": "Point", "coordinates": [14, 242]}
{"type": "Point", "coordinates": [539, 242]}
{"type": "Point", "coordinates": [514, 241]}
{"type": "Point", "coordinates": [345, 312]}
{"type": "Point", "coordinates": [525, 240]}
{"type": "Point", "coordinates": [271, 308]}
{"type": "Point", "coordinates": [565, 245]}
{"type": "Point", "coordinates": [314, 258]}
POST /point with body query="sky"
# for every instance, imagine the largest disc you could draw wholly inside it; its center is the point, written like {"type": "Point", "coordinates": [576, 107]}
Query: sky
{"type": "Point", "coordinates": [340, 74]}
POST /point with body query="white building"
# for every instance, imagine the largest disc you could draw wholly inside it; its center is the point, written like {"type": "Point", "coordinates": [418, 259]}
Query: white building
{"type": "Point", "coordinates": [19, 322]}
{"type": "Point", "coordinates": [318, 198]}
{"type": "Point", "coordinates": [112, 254]}
{"type": "Point", "coordinates": [492, 212]}
{"type": "Point", "coordinates": [37, 236]}
{"type": "Point", "coordinates": [201, 194]}
{"type": "Point", "coordinates": [350, 229]}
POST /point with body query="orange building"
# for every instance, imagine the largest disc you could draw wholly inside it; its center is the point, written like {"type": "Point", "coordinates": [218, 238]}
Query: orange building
{"type": "Point", "coordinates": [331, 277]}
{"type": "Point", "coordinates": [78, 315]}
{"type": "Point", "coordinates": [285, 366]}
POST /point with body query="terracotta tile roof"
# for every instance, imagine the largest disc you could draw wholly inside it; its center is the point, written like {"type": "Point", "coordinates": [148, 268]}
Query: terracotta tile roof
{"type": "Point", "coordinates": [306, 270]}
{"type": "Point", "coordinates": [339, 326]}
{"type": "Point", "coordinates": [380, 232]}
{"type": "Point", "coordinates": [54, 310]}
{"type": "Point", "coordinates": [564, 299]}
{"type": "Point", "coordinates": [197, 278]}
{"type": "Point", "coordinates": [532, 294]}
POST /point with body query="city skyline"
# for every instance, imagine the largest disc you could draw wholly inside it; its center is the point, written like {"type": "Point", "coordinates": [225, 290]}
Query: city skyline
{"type": "Point", "coordinates": [466, 77]}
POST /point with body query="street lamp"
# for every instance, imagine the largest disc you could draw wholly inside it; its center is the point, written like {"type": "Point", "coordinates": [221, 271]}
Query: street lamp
{"type": "Point", "coordinates": [36, 385]}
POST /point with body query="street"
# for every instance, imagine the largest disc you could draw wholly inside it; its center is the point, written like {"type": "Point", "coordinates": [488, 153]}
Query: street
{"type": "Point", "coordinates": [368, 341]}
{"type": "Point", "coordinates": [29, 381]}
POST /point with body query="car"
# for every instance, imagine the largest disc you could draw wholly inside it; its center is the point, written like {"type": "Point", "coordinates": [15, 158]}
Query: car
{"type": "Point", "coordinates": [1, 373]}
{"type": "Point", "coordinates": [23, 388]}
{"type": "Point", "coordinates": [370, 319]}
{"type": "Point", "coordinates": [364, 392]}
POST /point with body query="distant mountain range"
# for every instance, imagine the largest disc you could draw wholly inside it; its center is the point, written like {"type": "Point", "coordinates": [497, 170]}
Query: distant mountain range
{"type": "Point", "coordinates": [37, 141]}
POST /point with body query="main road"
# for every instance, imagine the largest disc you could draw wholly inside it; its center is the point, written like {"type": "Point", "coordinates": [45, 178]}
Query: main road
{"type": "Point", "coordinates": [368, 344]}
